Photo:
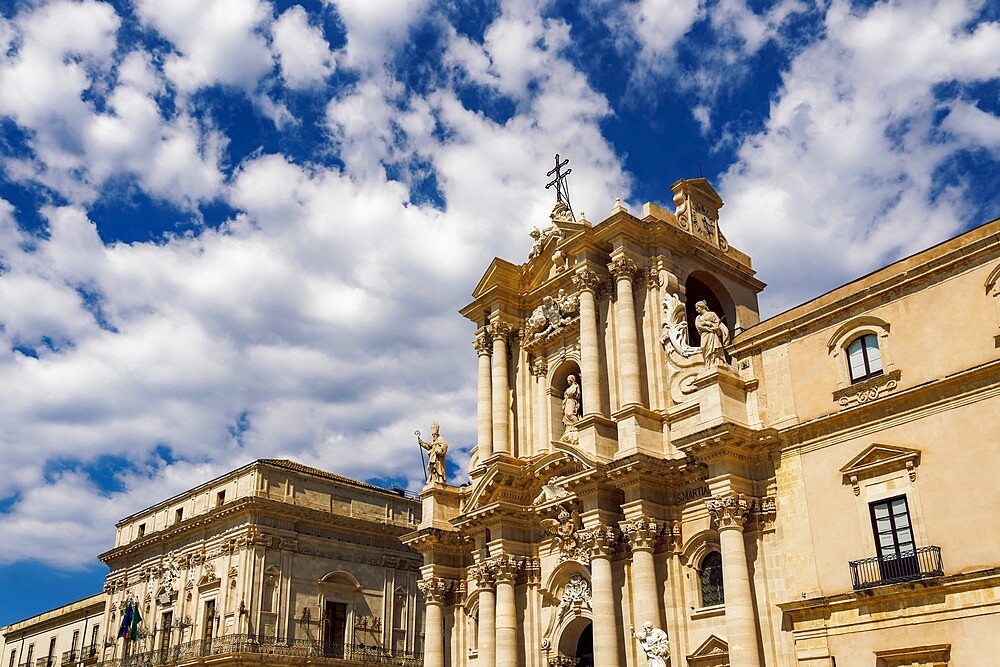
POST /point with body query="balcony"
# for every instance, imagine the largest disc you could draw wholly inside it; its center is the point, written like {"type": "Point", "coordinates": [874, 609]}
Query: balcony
{"type": "Point", "coordinates": [908, 566]}
{"type": "Point", "coordinates": [268, 646]}
{"type": "Point", "coordinates": [46, 662]}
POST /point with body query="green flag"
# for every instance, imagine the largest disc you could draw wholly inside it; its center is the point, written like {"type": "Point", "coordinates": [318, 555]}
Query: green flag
{"type": "Point", "coordinates": [133, 631]}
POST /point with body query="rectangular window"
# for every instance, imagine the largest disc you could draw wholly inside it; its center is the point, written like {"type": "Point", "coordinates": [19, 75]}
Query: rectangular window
{"type": "Point", "coordinates": [72, 646]}
{"type": "Point", "coordinates": [142, 529]}
{"type": "Point", "coordinates": [31, 653]}
{"type": "Point", "coordinates": [897, 552]}
{"type": "Point", "coordinates": [208, 629]}
{"type": "Point", "coordinates": [13, 657]}
{"type": "Point", "coordinates": [93, 640]}
{"type": "Point", "coordinates": [220, 498]}
{"type": "Point", "coordinates": [178, 515]}
{"type": "Point", "coordinates": [165, 631]}
{"type": "Point", "coordinates": [52, 652]}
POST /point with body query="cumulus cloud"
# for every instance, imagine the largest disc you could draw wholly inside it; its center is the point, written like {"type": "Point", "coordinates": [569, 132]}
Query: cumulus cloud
{"type": "Point", "coordinates": [850, 152]}
{"type": "Point", "coordinates": [302, 50]}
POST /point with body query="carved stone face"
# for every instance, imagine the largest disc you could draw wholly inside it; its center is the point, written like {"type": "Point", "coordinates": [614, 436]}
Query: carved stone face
{"type": "Point", "coordinates": [571, 379]}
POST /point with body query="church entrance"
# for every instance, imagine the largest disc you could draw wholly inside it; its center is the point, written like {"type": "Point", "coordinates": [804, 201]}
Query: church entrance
{"type": "Point", "coordinates": [585, 647]}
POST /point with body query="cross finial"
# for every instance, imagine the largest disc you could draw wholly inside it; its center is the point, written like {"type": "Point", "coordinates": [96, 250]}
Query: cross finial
{"type": "Point", "coordinates": [559, 182]}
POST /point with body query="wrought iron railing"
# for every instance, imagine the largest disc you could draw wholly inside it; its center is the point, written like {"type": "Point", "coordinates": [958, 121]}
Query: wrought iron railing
{"type": "Point", "coordinates": [910, 565]}
{"type": "Point", "coordinates": [49, 661]}
{"type": "Point", "coordinates": [360, 653]}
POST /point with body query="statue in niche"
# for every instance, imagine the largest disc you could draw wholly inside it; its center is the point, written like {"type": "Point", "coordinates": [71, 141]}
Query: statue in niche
{"type": "Point", "coordinates": [714, 335]}
{"type": "Point", "coordinates": [654, 644]}
{"type": "Point", "coordinates": [571, 405]}
{"type": "Point", "coordinates": [437, 449]}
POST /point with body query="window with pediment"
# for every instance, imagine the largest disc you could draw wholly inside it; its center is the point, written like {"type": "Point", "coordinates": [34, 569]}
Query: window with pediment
{"type": "Point", "coordinates": [862, 361]}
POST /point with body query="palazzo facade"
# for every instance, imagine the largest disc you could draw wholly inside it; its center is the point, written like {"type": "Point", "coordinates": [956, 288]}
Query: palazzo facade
{"type": "Point", "coordinates": [816, 489]}
{"type": "Point", "coordinates": [276, 563]}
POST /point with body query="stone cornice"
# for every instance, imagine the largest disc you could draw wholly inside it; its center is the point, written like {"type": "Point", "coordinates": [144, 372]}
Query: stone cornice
{"type": "Point", "coordinates": [970, 384]}
{"type": "Point", "coordinates": [251, 508]}
{"type": "Point", "coordinates": [729, 440]}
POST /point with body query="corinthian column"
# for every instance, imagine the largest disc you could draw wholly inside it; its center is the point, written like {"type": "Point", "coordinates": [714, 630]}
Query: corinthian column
{"type": "Point", "coordinates": [484, 406]}
{"type": "Point", "coordinates": [624, 270]}
{"type": "Point", "coordinates": [730, 512]}
{"type": "Point", "coordinates": [487, 617]}
{"type": "Point", "coordinates": [642, 536]}
{"type": "Point", "coordinates": [506, 574]}
{"type": "Point", "coordinates": [434, 590]}
{"type": "Point", "coordinates": [590, 370]}
{"type": "Point", "coordinates": [602, 541]}
{"type": "Point", "coordinates": [501, 396]}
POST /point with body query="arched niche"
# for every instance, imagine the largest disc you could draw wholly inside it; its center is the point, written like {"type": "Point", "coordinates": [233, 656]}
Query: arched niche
{"type": "Point", "coordinates": [702, 286]}
{"type": "Point", "coordinates": [558, 382]}
{"type": "Point", "coordinates": [568, 642]}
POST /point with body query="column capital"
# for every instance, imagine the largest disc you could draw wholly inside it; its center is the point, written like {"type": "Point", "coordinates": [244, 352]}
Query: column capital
{"type": "Point", "coordinates": [540, 367]}
{"type": "Point", "coordinates": [602, 541]}
{"type": "Point", "coordinates": [500, 330]}
{"type": "Point", "coordinates": [506, 569]}
{"type": "Point", "coordinates": [483, 344]}
{"type": "Point", "coordinates": [484, 575]}
{"type": "Point", "coordinates": [587, 280]}
{"type": "Point", "coordinates": [621, 267]}
{"type": "Point", "coordinates": [642, 533]}
{"type": "Point", "coordinates": [731, 510]}
{"type": "Point", "coordinates": [435, 589]}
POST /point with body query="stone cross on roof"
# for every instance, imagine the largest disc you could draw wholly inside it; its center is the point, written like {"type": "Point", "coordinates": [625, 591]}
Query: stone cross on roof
{"type": "Point", "coordinates": [560, 184]}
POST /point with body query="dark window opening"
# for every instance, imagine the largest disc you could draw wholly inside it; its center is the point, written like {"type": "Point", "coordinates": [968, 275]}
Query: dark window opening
{"type": "Point", "coordinates": [710, 575]}
{"type": "Point", "coordinates": [897, 552]}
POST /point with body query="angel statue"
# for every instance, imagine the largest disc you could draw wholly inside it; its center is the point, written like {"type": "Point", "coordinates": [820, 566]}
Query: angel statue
{"type": "Point", "coordinates": [653, 642]}
{"type": "Point", "coordinates": [564, 528]}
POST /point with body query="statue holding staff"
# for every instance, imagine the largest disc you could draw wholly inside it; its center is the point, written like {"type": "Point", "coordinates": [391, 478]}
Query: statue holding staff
{"type": "Point", "coordinates": [437, 448]}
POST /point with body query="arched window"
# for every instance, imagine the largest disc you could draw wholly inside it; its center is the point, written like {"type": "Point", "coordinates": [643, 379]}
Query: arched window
{"type": "Point", "coordinates": [710, 575]}
{"type": "Point", "coordinates": [864, 360]}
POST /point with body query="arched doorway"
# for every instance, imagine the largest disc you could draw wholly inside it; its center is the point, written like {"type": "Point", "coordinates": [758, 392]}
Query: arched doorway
{"type": "Point", "coordinates": [577, 641]}
{"type": "Point", "coordinates": [585, 647]}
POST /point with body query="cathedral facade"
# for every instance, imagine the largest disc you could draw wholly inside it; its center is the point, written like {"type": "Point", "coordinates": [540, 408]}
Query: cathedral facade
{"type": "Point", "coordinates": [661, 478]}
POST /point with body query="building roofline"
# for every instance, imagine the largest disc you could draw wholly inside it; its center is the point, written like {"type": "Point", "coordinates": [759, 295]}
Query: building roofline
{"type": "Point", "coordinates": [24, 623]}
{"type": "Point", "coordinates": [842, 294]}
{"type": "Point", "coordinates": [286, 464]}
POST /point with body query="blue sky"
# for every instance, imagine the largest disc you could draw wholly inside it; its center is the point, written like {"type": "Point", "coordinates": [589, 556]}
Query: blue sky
{"type": "Point", "coordinates": [233, 229]}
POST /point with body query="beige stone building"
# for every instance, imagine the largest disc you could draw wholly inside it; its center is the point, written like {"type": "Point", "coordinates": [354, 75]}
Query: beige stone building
{"type": "Point", "coordinates": [68, 636]}
{"type": "Point", "coordinates": [274, 562]}
{"type": "Point", "coordinates": [817, 489]}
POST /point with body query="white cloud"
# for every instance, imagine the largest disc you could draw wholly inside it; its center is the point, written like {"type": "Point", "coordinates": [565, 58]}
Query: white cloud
{"type": "Point", "coordinates": [375, 29]}
{"type": "Point", "coordinates": [302, 50]}
{"type": "Point", "coordinates": [848, 156]}
{"type": "Point", "coordinates": [216, 41]}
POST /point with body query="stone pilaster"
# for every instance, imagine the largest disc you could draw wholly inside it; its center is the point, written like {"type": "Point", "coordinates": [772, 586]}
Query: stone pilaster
{"type": "Point", "coordinates": [540, 370]}
{"type": "Point", "coordinates": [590, 369]}
{"type": "Point", "coordinates": [434, 589]}
{"type": "Point", "coordinates": [500, 331]}
{"type": "Point", "coordinates": [624, 271]}
{"type": "Point", "coordinates": [603, 542]}
{"type": "Point", "coordinates": [484, 405]}
{"type": "Point", "coordinates": [730, 513]}
{"type": "Point", "coordinates": [643, 534]}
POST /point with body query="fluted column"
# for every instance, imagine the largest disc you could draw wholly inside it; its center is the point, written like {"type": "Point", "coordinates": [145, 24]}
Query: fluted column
{"type": "Point", "coordinates": [484, 405]}
{"type": "Point", "coordinates": [730, 512]}
{"type": "Point", "coordinates": [487, 617]}
{"type": "Point", "coordinates": [434, 590]}
{"type": "Point", "coordinates": [642, 535]}
{"type": "Point", "coordinates": [590, 370]}
{"type": "Point", "coordinates": [507, 570]}
{"type": "Point", "coordinates": [501, 394]}
{"type": "Point", "coordinates": [607, 637]}
{"type": "Point", "coordinates": [540, 370]}
{"type": "Point", "coordinates": [624, 269]}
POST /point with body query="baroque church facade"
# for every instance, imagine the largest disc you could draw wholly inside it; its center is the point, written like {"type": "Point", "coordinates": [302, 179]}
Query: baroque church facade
{"type": "Point", "coordinates": [661, 478]}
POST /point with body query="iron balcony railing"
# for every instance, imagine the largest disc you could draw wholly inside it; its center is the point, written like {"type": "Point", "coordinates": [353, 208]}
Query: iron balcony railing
{"type": "Point", "coordinates": [360, 653]}
{"type": "Point", "coordinates": [86, 655]}
{"type": "Point", "coordinates": [907, 566]}
{"type": "Point", "coordinates": [50, 661]}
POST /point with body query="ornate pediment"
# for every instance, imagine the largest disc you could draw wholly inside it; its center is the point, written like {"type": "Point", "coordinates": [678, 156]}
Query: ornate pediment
{"type": "Point", "coordinates": [879, 459]}
{"type": "Point", "coordinates": [713, 652]}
